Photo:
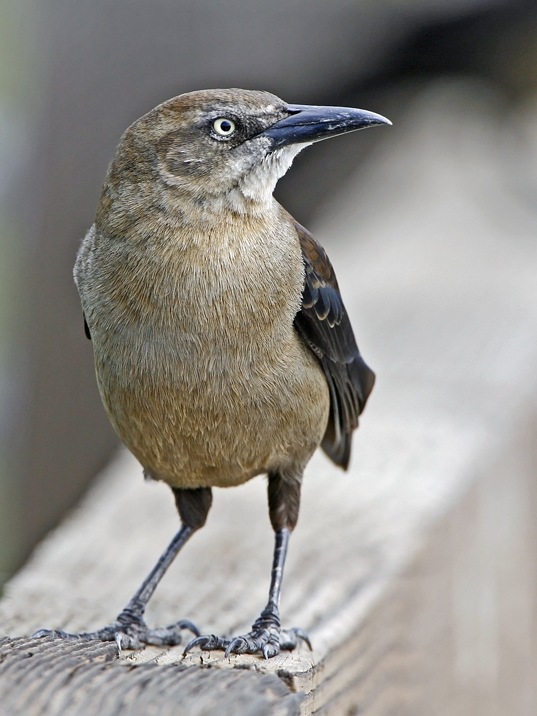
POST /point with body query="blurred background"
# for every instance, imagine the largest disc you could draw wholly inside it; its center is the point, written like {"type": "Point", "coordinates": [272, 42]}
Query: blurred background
{"type": "Point", "coordinates": [75, 73]}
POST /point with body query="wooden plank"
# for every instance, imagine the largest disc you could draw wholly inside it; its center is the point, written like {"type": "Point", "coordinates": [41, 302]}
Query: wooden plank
{"type": "Point", "coordinates": [50, 676]}
{"type": "Point", "coordinates": [402, 569]}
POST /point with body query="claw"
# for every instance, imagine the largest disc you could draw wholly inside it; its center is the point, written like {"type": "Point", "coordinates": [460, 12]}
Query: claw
{"type": "Point", "coordinates": [118, 638]}
{"type": "Point", "coordinates": [304, 636]}
{"type": "Point", "coordinates": [266, 652]}
{"type": "Point", "coordinates": [200, 641]}
{"type": "Point", "coordinates": [187, 624]}
{"type": "Point", "coordinates": [232, 647]}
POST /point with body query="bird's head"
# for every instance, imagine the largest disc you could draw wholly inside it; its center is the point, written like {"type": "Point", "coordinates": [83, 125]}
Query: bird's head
{"type": "Point", "coordinates": [226, 147]}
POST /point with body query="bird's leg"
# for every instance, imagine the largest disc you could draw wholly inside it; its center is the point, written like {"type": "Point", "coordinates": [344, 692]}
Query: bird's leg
{"type": "Point", "coordinates": [266, 636]}
{"type": "Point", "coordinates": [129, 630]}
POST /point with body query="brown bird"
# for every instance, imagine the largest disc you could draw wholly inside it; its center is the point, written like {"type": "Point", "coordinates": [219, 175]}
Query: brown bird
{"type": "Point", "coordinates": [222, 346]}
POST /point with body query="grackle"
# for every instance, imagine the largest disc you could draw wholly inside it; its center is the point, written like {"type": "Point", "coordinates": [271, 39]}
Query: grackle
{"type": "Point", "coordinates": [222, 346]}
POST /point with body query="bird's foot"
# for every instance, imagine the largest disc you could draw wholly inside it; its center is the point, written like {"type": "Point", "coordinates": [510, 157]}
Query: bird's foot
{"type": "Point", "coordinates": [129, 631]}
{"type": "Point", "coordinates": [266, 637]}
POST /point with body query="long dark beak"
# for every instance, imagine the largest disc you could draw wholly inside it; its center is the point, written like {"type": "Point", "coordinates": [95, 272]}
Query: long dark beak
{"type": "Point", "coordinates": [309, 123]}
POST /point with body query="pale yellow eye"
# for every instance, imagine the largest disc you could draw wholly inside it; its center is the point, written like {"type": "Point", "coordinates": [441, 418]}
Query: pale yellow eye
{"type": "Point", "coordinates": [223, 126]}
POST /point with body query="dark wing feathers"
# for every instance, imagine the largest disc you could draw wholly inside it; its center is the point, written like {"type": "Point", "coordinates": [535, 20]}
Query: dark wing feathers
{"type": "Point", "coordinates": [86, 329]}
{"type": "Point", "coordinates": [324, 326]}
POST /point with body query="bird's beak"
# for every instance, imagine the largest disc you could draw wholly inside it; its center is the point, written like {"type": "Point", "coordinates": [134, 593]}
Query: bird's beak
{"type": "Point", "coordinates": [309, 123]}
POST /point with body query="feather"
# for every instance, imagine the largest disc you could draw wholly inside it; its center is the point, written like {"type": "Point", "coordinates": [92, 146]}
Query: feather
{"type": "Point", "coordinates": [324, 326]}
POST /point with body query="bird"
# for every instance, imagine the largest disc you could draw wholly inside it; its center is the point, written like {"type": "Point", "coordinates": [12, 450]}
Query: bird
{"type": "Point", "coordinates": [222, 346]}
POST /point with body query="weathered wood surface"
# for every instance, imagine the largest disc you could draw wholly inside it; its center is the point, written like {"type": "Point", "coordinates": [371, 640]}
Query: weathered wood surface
{"type": "Point", "coordinates": [415, 572]}
{"type": "Point", "coordinates": [70, 677]}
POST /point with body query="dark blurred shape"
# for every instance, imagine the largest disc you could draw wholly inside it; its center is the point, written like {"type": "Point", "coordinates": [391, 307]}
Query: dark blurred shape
{"type": "Point", "coordinates": [100, 65]}
{"type": "Point", "coordinates": [498, 43]}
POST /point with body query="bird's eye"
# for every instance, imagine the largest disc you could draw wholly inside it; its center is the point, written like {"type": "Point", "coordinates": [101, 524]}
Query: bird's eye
{"type": "Point", "coordinates": [224, 127]}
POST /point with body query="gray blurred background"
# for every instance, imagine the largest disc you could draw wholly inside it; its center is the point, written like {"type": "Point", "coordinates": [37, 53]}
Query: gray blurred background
{"type": "Point", "coordinates": [75, 73]}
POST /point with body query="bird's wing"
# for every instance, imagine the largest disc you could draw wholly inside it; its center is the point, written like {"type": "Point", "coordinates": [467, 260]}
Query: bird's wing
{"type": "Point", "coordinates": [324, 326]}
{"type": "Point", "coordinates": [86, 329]}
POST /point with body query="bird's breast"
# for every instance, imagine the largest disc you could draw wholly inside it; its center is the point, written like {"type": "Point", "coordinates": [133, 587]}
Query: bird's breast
{"type": "Point", "coordinates": [214, 298]}
{"type": "Point", "coordinates": [198, 363]}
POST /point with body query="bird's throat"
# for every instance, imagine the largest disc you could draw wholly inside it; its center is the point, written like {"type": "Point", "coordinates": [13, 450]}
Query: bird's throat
{"type": "Point", "coordinates": [258, 185]}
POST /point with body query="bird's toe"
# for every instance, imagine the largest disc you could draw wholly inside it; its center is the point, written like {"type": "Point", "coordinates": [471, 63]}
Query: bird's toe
{"type": "Point", "coordinates": [129, 634]}
{"type": "Point", "coordinates": [56, 633]}
{"type": "Point", "coordinates": [170, 635]}
{"type": "Point", "coordinates": [289, 638]}
{"type": "Point", "coordinates": [239, 645]}
{"type": "Point", "coordinates": [126, 641]}
{"type": "Point", "coordinates": [264, 641]}
{"type": "Point", "coordinates": [207, 642]}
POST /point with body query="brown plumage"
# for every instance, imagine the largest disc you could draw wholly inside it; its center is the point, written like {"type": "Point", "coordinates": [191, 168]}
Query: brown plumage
{"type": "Point", "coordinates": [222, 346]}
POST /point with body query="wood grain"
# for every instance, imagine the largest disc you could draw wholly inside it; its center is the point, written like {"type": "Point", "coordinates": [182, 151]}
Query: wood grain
{"type": "Point", "coordinates": [57, 677]}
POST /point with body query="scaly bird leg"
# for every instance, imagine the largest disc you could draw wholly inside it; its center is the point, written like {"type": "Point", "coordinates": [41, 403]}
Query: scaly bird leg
{"type": "Point", "coordinates": [267, 636]}
{"type": "Point", "coordinates": [129, 630]}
